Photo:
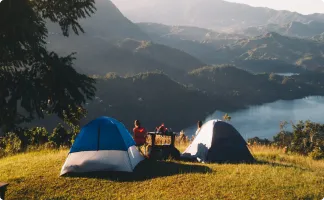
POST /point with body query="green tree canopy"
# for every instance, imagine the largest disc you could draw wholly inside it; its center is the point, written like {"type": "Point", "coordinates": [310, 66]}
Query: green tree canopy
{"type": "Point", "coordinates": [33, 80]}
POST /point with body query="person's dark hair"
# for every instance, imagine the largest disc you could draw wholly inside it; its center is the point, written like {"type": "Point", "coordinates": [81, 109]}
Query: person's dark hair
{"type": "Point", "coordinates": [137, 123]}
{"type": "Point", "coordinates": [199, 124]}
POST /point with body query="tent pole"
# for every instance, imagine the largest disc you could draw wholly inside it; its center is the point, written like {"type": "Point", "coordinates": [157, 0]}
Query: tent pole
{"type": "Point", "coordinates": [98, 138]}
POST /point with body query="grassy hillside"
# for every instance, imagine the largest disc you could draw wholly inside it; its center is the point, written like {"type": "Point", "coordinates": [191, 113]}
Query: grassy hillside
{"type": "Point", "coordinates": [275, 176]}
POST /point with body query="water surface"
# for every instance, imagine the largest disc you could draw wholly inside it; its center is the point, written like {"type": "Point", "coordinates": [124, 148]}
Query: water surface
{"type": "Point", "coordinates": [263, 121]}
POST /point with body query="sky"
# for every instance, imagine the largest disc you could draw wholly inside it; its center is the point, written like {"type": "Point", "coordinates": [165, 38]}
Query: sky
{"type": "Point", "coordinates": [301, 6]}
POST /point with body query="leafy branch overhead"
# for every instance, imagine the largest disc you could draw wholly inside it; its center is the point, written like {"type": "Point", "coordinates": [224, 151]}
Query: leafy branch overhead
{"type": "Point", "coordinates": [31, 77]}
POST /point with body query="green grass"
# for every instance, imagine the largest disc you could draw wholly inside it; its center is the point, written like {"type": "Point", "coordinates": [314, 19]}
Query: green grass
{"type": "Point", "coordinates": [35, 175]}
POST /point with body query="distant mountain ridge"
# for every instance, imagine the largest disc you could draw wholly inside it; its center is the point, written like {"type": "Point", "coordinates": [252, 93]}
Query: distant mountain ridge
{"type": "Point", "coordinates": [213, 14]}
{"type": "Point", "coordinates": [271, 46]}
{"type": "Point", "coordinates": [295, 29]}
{"type": "Point", "coordinates": [199, 42]}
{"type": "Point", "coordinates": [112, 43]}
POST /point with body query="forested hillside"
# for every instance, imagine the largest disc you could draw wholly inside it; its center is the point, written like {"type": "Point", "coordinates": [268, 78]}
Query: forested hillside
{"type": "Point", "coordinates": [155, 98]}
{"type": "Point", "coordinates": [272, 46]}
{"type": "Point", "coordinates": [293, 29]}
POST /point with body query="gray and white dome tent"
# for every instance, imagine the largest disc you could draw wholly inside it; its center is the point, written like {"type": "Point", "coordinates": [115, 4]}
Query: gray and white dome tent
{"type": "Point", "coordinates": [218, 141]}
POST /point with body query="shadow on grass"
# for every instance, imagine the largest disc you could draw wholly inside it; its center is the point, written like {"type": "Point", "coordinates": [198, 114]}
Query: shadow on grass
{"type": "Point", "coordinates": [274, 164]}
{"type": "Point", "coordinates": [252, 162]}
{"type": "Point", "coordinates": [147, 169]}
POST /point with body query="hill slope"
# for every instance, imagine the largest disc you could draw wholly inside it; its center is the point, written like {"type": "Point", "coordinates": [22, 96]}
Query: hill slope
{"type": "Point", "coordinates": [214, 14]}
{"type": "Point", "coordinates": [155, 98]}
{"type": "Point", "coordinates": [239, 87]}
{"type": "Point", "coordinates": [164, 54]}
{"type": "Point", "coordinates": [295, 29]}
{"type": "Point", "coordinates": [199, 42]}
{"type": "Point", "coordinates": [105, 48]}
{"type": "Point", "coordinates": [271, 46]}
{"type": "Point", "coordinates": [152, 97]}
{"type": "Point", "coordinates": [275, 176]}
{"type": "Point", "coordinates": [107, 23]}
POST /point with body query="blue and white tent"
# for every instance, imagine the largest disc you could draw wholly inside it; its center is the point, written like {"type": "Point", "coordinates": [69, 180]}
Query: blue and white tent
{"type": "Point", "coordinates": [104, 144]}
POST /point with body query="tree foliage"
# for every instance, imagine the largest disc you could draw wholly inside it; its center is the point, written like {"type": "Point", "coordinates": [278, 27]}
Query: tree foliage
{"type": "Point", "coordinates": [306, 138]}
{"type": "Point", "coordinates": [34, 81]}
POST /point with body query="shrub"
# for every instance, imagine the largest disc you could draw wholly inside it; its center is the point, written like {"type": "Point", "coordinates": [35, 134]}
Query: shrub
{"type": "Point", "coordinates": [37, 136]}
{"type": "Point", "coordinates": [257, 140]}
{"type": "Point", "coordinates": [306, 138]}
{"type": "Point", "coordinates": [23, 135]}
{"type": "Point", "coordinates": [283, 139]}
{"type": "Point", "coordinates": [2, 152]}
{"type": "Point", "coordinates": [317, 153]}
{"type": "Point", "coordinates": [60, 136]}
{"type": "Point", "coordinates": [50, 145]}
{"type": "Point", "coordinates": [10, 144]}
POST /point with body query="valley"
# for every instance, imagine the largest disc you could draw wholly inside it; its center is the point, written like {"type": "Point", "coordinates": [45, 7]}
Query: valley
{"type": "Point", "coordinates": [149, 69]}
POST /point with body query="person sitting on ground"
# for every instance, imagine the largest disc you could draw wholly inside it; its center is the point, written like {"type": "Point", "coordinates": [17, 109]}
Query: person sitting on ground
{"type": "Point", "coordinates": [199, 124]}
{"type": "Point", "coordinates": [162, 128]}
{"type": "Point", "coordinates": [140, 134]}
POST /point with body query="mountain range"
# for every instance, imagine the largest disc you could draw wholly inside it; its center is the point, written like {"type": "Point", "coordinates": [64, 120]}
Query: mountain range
{"type": "Point", "coordinates": [112, 43]}
{"type": "Point", "coordinates": [148, 70]}
{"type": "Point", "coordinates": [294, 29]}
{"type": "Point", "coordinates": [212, 14]}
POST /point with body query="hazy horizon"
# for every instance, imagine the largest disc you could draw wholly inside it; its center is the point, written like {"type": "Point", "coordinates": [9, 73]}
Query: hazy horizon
{"type": "Point", "coordinates": [301, 6]}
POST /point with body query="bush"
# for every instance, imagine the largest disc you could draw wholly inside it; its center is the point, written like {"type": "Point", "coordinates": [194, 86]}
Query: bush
{"type": "Point", "coordinates": [60, 136]}
{"type": "Point", "coordinates": [283, 139]}
{"type": "Point", "coordinates": [257, 140]}
{"type": "Point", "coordinates": [50, 145]}
{"type": "Point", "coordinates": [23, 135]}
{"type": "Point", "coordinates": [317, 154]}
{"type": "Point", "coordinates": [306, 138]}
{"type": "Point", "coordinates": [37, 136]}
{"type": "Point", "coordinates": [10, 144]}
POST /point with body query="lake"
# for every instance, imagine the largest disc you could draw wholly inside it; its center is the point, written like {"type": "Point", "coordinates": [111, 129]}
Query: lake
{"type": "Point", "coordinates": [263, 121]}
{"type": "Point", "coordinates": [287, 74]}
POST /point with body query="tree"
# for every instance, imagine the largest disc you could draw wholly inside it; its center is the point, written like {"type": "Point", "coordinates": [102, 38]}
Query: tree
{"type": "Point", "coordinates": [34, 81]}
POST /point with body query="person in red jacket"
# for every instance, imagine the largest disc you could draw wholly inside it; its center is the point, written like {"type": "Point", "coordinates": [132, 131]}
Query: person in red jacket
{"type": "Point", "coordinates": [140, 134]}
